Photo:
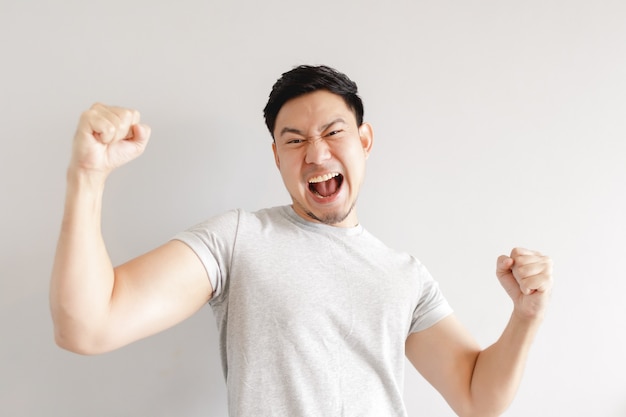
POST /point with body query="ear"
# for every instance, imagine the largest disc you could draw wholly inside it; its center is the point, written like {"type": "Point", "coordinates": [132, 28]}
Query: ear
{"type": "Point", "coordinates": [366, 133]}
{"type": "Point", "coordinates": [276, 159]}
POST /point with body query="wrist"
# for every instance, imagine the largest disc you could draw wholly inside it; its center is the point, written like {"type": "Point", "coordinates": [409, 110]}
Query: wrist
{"type": "Point", "coordinates": [525, 321]}
{"type": "Point", "coordinates": [80, 178]}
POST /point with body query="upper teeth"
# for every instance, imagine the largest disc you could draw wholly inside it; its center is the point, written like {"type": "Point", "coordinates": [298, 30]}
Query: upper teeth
{"type": "Point", "coordinates": [323, 178]}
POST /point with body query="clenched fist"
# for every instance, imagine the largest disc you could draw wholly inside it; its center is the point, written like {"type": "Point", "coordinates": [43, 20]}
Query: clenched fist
{"type": "Point", "coordinates": [106, 138]}
{"type": "Point", "coordinates": [527, 277]}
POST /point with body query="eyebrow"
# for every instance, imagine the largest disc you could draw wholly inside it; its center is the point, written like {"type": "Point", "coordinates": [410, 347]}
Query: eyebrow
{"type": "Point", "coordinates": [288, 129]}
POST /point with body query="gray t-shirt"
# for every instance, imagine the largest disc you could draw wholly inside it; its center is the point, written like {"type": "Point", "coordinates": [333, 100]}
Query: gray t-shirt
{"type": "Point", "coordinates": [312, 318]}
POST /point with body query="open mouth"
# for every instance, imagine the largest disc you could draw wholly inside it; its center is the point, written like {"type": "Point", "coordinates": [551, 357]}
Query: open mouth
{"type": "Point", "coordinates": [326, 185]}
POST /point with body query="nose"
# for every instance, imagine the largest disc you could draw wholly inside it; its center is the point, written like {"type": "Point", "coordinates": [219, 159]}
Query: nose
{"type": "Point", "coordinates": [317, 151]}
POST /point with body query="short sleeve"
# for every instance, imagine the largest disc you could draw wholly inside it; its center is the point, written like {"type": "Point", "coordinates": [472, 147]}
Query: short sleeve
{"type": "Point", "coordinates": [431, 306]}
{"type": "Point", "coordinates": [213, 242]}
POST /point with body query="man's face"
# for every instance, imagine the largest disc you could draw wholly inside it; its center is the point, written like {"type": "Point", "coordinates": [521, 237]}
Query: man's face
{"type": "Point", "coordinates": [321, 152]}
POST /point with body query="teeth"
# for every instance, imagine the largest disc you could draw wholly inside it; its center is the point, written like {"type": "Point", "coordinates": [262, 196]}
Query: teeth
{"type": "Point", "coordinates": [323, 178]}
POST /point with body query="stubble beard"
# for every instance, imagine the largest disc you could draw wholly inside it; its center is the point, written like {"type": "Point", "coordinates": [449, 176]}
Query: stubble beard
{"type": "Point", "coordinates": [330, 219]}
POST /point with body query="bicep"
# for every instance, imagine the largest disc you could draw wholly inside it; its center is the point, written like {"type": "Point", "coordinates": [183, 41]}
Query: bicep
{"type": "Point", "coordinates": [157, 290]}
{"type": "Point", "coordinates": [445, 355]}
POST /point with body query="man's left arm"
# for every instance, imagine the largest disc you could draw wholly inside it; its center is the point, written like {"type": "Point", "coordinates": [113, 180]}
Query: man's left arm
{"type": "Point", "coordinates": [479, 382]}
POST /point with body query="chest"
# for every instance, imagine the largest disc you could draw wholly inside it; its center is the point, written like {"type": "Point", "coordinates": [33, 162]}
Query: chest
{"type": "Point", "coordinates": [322, 287]}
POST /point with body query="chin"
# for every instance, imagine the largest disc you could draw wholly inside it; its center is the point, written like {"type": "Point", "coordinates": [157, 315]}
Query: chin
{"type": "Point", "coordinates": [332, 217]}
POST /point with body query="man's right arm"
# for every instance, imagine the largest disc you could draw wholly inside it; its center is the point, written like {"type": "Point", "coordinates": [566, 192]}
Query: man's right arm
{"type": "Point", "coordinates": [96, 307]}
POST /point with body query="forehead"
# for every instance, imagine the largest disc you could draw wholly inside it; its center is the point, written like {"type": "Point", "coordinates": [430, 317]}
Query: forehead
{"type": "Point", "coordinates": [313, 109]}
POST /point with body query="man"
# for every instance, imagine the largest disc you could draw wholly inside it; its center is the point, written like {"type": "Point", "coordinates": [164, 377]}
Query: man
{"type": "Point", "coordinates": [314, 314]}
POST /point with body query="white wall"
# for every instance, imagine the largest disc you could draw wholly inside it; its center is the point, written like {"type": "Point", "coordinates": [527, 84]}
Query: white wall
{"type": "Point", "coordinates": [497, 124]}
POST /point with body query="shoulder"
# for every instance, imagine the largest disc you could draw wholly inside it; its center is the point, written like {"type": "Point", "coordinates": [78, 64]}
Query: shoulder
{"type": "Point", "coordinates": [217, 223]}
{"type": "Point", "coordinates": [238, 222]}
{"type": "Point", "coordinates": [391, 253]}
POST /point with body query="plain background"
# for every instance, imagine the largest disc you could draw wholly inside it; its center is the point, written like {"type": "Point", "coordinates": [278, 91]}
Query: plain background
{"type": "Point", "coordinates": [497, 124]}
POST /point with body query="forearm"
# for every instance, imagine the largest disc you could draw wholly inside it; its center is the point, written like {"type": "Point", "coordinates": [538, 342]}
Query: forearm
{"type": "Point", "coordinates": [82, 276]}
{"type": "Point", "coordinates": [499, 368]}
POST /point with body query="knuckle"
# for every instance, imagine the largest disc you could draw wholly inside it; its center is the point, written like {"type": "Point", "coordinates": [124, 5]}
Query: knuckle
{"type": "Point", "coordinates": [126, 117]}
{"type": "Point", "coordinates": [109, 128]}
{"type": "Point", "coordinates": [88, 114]}
{"type": "Point", "coordinates": [523, 271]}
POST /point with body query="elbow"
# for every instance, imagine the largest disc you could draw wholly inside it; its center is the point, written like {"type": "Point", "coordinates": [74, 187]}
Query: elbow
{"type": "Point", "coordinates": [71, 344]}
{"type": "Point", "coordinates": [78, 336]}
{"type": "Point", "coordinates": [494, 407]}
{"type": "Point", "coordinates": [493, 411]}
{"type": "Point", "coordinates": [480, 414]}
{"type": "Point", "coordinates": [476, 413]}
{"type": "Point", "coordinates": [77, 342]}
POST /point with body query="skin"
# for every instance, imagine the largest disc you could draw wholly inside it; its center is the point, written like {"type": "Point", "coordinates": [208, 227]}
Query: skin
{"type": "Point", "coordinates": [315, 135]}
{"type": "Point", "coordinates": [97, 307]}
{"type": "Point", "coordinates": [479, 382]}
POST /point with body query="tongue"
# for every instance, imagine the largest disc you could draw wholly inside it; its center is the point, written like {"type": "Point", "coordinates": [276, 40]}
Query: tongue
{"type": "Point", "coordinates": [326, 188]}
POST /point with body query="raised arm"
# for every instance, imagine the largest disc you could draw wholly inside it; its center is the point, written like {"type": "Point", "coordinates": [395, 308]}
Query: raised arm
{"type": "Point", "coordinates": [479, 382]}
{"type": "Point", "coordinates": [96, 307]}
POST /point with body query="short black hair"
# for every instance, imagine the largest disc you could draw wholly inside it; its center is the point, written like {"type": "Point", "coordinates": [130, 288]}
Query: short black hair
{"type": "Point", "coordinates": [307, 79]}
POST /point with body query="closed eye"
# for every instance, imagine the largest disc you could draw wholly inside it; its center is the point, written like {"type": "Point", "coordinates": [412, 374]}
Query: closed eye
{"type": "Point", "coordinates": [334, 132]}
